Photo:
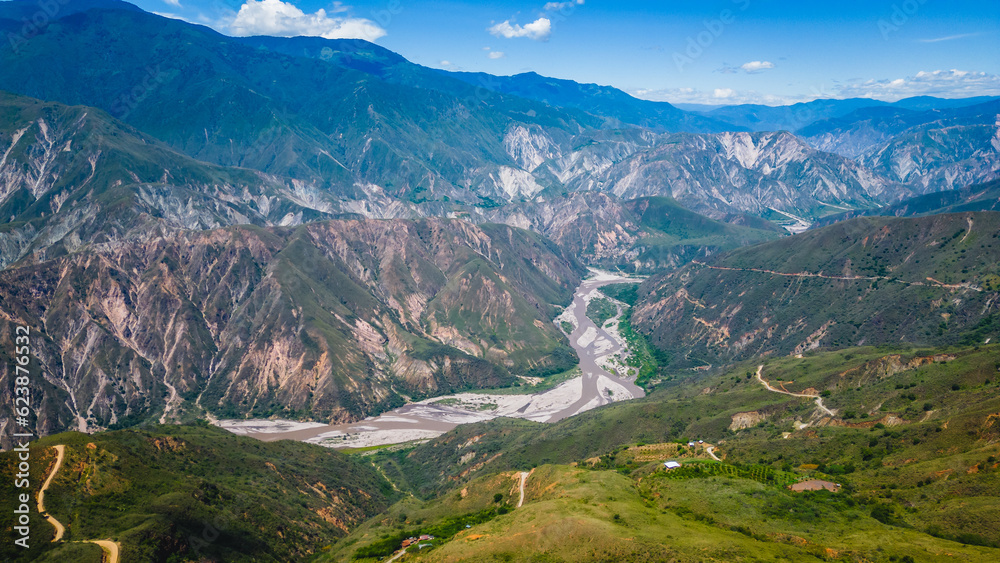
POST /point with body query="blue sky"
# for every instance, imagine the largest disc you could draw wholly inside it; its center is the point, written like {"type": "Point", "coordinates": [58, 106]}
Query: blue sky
{"type": "Point", "coordinates": [717, 51]}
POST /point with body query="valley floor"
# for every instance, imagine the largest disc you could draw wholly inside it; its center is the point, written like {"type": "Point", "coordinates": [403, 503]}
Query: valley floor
{"type": "Point", "coordinates": [595, 385]}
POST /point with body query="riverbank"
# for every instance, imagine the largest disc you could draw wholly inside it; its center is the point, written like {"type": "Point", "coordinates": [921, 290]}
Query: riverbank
{"type": "Point", "coordinates": [595, 386]}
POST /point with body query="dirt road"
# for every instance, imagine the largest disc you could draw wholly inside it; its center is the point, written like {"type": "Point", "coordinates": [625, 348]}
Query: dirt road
{"type": "Point", "coordinates": [110, 548]}
{"type": "Point", "coordinates": [60, 530]}
{"type": "Point", "coordinates": [817, 398]}
{"type": "Point", "coordinates": [524, 479]}
{"type": "Point", "coordinates": [820, 275]}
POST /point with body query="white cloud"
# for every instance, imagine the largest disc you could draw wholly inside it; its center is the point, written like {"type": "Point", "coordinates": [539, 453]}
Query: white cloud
{"type": "Point", "coordinates": [756, 66]}
{"type": "Point", "coordinates": [948, 38]}
{"type": "Point", "coordinates": [539, 30]}
{"type": "Point", "coordinates": [496, 54]}
{"type": "Point", "coordinates": [556, 6]}
{"type": "Point", "coordinates": [938, 83]}
{"type": "Point", "coordinates": [941, 83]}
{"type": "Point", "coordinates": [283, 19]}
{"type": "Point", "coordinates": [717, 96]}
{"type": "Point", "coordinates": [174, 3]}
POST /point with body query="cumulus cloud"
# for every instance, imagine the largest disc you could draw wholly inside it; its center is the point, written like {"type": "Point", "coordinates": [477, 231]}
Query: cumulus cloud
{"type": "Point", "coordinates": [556, 6]}
{"type": "Point", "coordinates": [283, 19]}
{"type": "Point", "coordinates": [496, 55]}
{"type": "Point", "coordinates": [539, 30]}
{"type": "Point", "coordinates": [756, 66]}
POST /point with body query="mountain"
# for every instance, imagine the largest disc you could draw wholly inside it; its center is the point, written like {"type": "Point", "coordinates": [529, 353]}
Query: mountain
{"type": "Point", "coordinates": [923, 280]}
{"type": "Point", "coordinates": [329, 321]}
{"type": "Point", "coordinates": [861, 133]}
{"type": "Point", "coordinates": [222, 101]}
{"type": "Point", "coordinates": [716, 175]}
{"type": "Point", "coordinates": [794, 117]}
{"type": "Point", "coordinates": [907, 438]}
{"type": "Point", "coordinates": [357, 128]}
{"type": "Point", "coordinates": [617, 107]}
{"type": "Point", "coordinates": [643, 235]}
{"type": "Point", "coordinates": [944, 154]}
{"type": "Point", "coordinates": [71, 176]}
{"type": "Point", "coordinates": [183, 493]}
{"type": "Point", "coordinates": [604, 101]}
{"type": "Point", "coordinates": [980, 197]}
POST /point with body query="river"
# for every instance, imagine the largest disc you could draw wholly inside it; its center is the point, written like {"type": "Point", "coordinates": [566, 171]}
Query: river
{"type": "Point", "coordinates": [595, 386]}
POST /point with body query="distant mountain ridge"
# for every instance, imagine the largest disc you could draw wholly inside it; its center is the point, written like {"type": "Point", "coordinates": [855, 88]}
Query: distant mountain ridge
{"type": "Point", "coordinates": [980, 197]}
{"type": "Point", "coordinates": [72, 176]}
{"type": "Point", "coordinates": [348, 121]}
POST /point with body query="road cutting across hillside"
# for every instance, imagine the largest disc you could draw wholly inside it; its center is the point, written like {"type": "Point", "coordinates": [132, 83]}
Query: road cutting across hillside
{"type": "Point", "coordinates": [817, 398]}
{"type": "Point", "coordinates": [110, 548]}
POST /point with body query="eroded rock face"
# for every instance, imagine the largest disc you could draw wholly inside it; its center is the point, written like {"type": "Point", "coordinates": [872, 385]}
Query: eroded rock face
{"type": "Point", "coordinates": [743, 420]}
{"type": "Point", "coordinates": [330, 321]}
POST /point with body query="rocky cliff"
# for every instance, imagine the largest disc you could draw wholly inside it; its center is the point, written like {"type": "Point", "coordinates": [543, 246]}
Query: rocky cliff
{"type": "Point", "coordinates": [331, 321]}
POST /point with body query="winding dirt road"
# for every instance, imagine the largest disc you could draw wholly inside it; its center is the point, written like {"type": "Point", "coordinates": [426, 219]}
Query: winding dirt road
{"type": "Point", "coordinates": [110, 548]}
{"type": "Point", "coordinates": [60, 529]}
{"type": "Point", "coordinates": [817, 398]}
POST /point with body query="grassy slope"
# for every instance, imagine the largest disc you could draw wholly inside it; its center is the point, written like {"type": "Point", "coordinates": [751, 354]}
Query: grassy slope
{"type": "Point", "coordinates": [911, 488]}
{"type": "Point", "coordinates": [669, 230]}
{"type": "Point", "coordinates": [177, 493]}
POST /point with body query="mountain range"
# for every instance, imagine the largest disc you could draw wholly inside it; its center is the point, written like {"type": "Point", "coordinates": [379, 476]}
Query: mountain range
{"type": "Point", "coordinates": [174, 143]}
{"type": "Point", "coordinates": [358, 126]}
{"type": "Point", "coordinates": [305, 231]}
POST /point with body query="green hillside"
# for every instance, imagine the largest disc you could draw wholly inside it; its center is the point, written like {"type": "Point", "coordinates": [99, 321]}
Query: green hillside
{"type": "Point", "coordinates": [978, 197]}
{"type": "Point", "coordinates": [928, 281]}
{"type": "Point", "coordinates": [224, 101]}
{"type": "Point", "coordinates": [193, 493]}
{"type": "Point", "coordinates": [912, 443]}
